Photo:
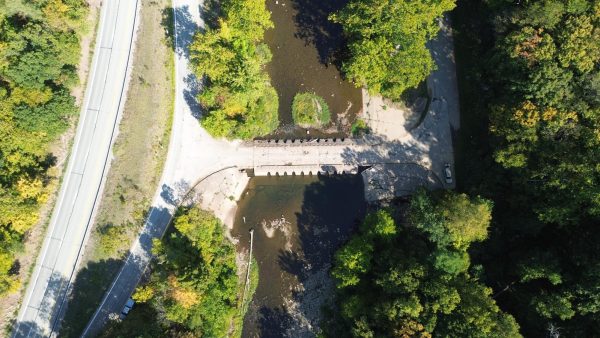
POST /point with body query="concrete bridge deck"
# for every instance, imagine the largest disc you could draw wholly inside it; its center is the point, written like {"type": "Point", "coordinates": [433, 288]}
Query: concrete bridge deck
{"type": "Point", "coordinates": [328, 156]}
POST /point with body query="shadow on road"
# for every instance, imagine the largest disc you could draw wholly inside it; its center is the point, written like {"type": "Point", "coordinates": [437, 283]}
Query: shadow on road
{"type": "Point", "coordinates": [47, 311]}
{"type": "Point", "coordinates": [95, 279]}
{"type": "Point", "coordinates": [90, 285]}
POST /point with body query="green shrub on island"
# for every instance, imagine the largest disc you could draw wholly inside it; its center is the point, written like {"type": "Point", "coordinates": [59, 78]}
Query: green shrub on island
{"type": "Point", "coordinates": [309, 110]}
{"type": "Point", "coordinates": [238, 98]}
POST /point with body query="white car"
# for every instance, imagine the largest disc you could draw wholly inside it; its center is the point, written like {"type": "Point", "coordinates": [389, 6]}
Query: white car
{"type": "Point", "coordinates": [128, 306]}
{"type": "Point", "coordinates": [448, 173]}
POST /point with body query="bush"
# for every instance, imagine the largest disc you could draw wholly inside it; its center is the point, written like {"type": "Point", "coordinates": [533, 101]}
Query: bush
{"type": "Point", "coordinates": [309, 110]}
{"type": "Point", "coordinates": [39, 52]}
{"type": "Point", "coordinates": [359, 128]}
{"type": "Point", "coordinates": [112, 237]}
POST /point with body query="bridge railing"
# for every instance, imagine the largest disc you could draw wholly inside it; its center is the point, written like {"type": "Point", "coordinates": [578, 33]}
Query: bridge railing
{"type": "Point", "coordinates": [304, 142]}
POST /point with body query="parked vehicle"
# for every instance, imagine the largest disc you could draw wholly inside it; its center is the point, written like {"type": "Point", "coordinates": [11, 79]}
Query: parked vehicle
{"type": "Point", "coordinates": [448, 173]}
{"type": "Point", "coordinates": [128, 306]}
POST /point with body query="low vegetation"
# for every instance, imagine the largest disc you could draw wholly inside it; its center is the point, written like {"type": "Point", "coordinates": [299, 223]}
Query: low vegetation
{"type": "Point", "coordinates": [238, 98]}
{"type": "Point", "coordinates": [194, 289]}
{"type": "Point", "coordinates": [39, 55]}
{"type": "Point", "coordinates": [309, 110]}
{"type": "Point", "coordinates": [387, 42]}
{"type": "Point", "coordinates": [415, 279]}
{"type": "Point", "coordinates": [359, 128]}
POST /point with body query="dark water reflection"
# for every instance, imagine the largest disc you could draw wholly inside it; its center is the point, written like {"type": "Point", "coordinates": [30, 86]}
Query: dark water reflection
{"type": "Point", "coordinates": [306, 56]}
{"type": "Point", "coordinates": [294, 258]}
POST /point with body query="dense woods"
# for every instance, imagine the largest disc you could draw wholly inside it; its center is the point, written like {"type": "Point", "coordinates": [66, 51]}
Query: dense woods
{"type": "Point", "coordinates": [529, 75]}
{"type": "Point", "coordinates": [238, 99]}
{"type": "Point", "coordinates": [194, 288]}
{"type": "Point", "coordinates": [39, 55]}
{"type": "Point", "coordinates": [530, 86]}
{"type": "Point", "coordinates": [414, 278]}
{"type": "Point", "coordinates": [387, 42]}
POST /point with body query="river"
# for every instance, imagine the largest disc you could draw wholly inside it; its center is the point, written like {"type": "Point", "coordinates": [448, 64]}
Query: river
{"type": "Point", "coordinates": [299, 222]}
{"type": "Point", "coordinates": [306, 49]}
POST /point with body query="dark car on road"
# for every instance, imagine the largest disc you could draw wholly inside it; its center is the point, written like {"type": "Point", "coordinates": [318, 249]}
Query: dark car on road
{"type": "Point", "coordinates": [128, 306]}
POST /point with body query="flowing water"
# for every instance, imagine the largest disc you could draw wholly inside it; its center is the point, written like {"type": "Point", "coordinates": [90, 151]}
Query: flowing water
{"type": "Point", "coordinates": [306, 49]}
{"type": "Point", "coordinates": [298, 222]}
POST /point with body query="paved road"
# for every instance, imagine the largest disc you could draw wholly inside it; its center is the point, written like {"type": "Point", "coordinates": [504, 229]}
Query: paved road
{"type": "Point", "coordinates": [185, 163]}
{"type": "Point", "coordinates": [45, 295]}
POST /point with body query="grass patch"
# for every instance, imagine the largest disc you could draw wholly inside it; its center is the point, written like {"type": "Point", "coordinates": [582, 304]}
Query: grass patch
{"type": "Point", "coordinates": [139, 151]}
{"type": "Point", "coordinates": [309, 110]}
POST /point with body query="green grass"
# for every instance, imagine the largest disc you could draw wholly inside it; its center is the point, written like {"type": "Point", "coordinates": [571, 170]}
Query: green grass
{"type": "Point", "coordinates": [140, 151]}
{"type": "Point", "coordinates": [309, 110]}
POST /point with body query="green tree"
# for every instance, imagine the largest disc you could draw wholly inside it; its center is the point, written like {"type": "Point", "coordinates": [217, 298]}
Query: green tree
{"type": "Point", "coordinates": [39, 55]}
{"type": "Point", "coordinates": [238, 98]}
{"type": "Point", "coordinates": [194, 288]}
{"type": "Point", "coordinates": [402, 281]}
{"type": "Point", "coordinates": [387, 42]}
{"type": "Point", "coordinates": [530, 70]}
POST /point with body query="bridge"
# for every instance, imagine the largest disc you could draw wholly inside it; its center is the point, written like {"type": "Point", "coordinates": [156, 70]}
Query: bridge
{"type": "Point", "coordinates": [327, 156]}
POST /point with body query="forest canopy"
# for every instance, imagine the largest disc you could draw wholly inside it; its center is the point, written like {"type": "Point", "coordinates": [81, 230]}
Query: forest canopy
{"type": "Point", "coordinates": [39, 55]}
{"type": "Point", "coordinates": [530, 90]}
{"type": "Point", "coordinates": [194, 288]}
{"type": "Point", "coordinates": [413, 278]}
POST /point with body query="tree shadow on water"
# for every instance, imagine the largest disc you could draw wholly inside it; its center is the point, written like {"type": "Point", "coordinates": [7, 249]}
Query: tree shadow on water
{"type": "Point", "coordinates": [314, 27]}
{"type": "Point", "coordinates": [274, 322]}
{"type": "Point", "coordinates": [332, 208]}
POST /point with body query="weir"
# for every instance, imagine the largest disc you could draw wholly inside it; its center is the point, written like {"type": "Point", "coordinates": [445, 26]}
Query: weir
{"type": "Point", "coordinates": [328, 156]}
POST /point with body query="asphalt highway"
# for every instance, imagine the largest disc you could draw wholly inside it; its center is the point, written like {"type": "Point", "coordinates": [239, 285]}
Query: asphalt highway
{"type": "Point", "coordinates": [44, 299]}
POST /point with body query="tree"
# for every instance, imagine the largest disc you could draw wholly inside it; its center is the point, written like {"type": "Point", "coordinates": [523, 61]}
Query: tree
{"type": "Point", "coordinates": [390, 282]}
{"type": "Point", "coordinates": [238, 97]}
{"type": "Point", "coordinates": [537, 62]}
{"type": "Point", "coordinates": [451, 219]}
{"type": "Point", "coordinates": [39, 55]}
{"type": "Point", "coordinates": [194, 289]}
{"type": "Point", "coordinates": [387, 42]}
